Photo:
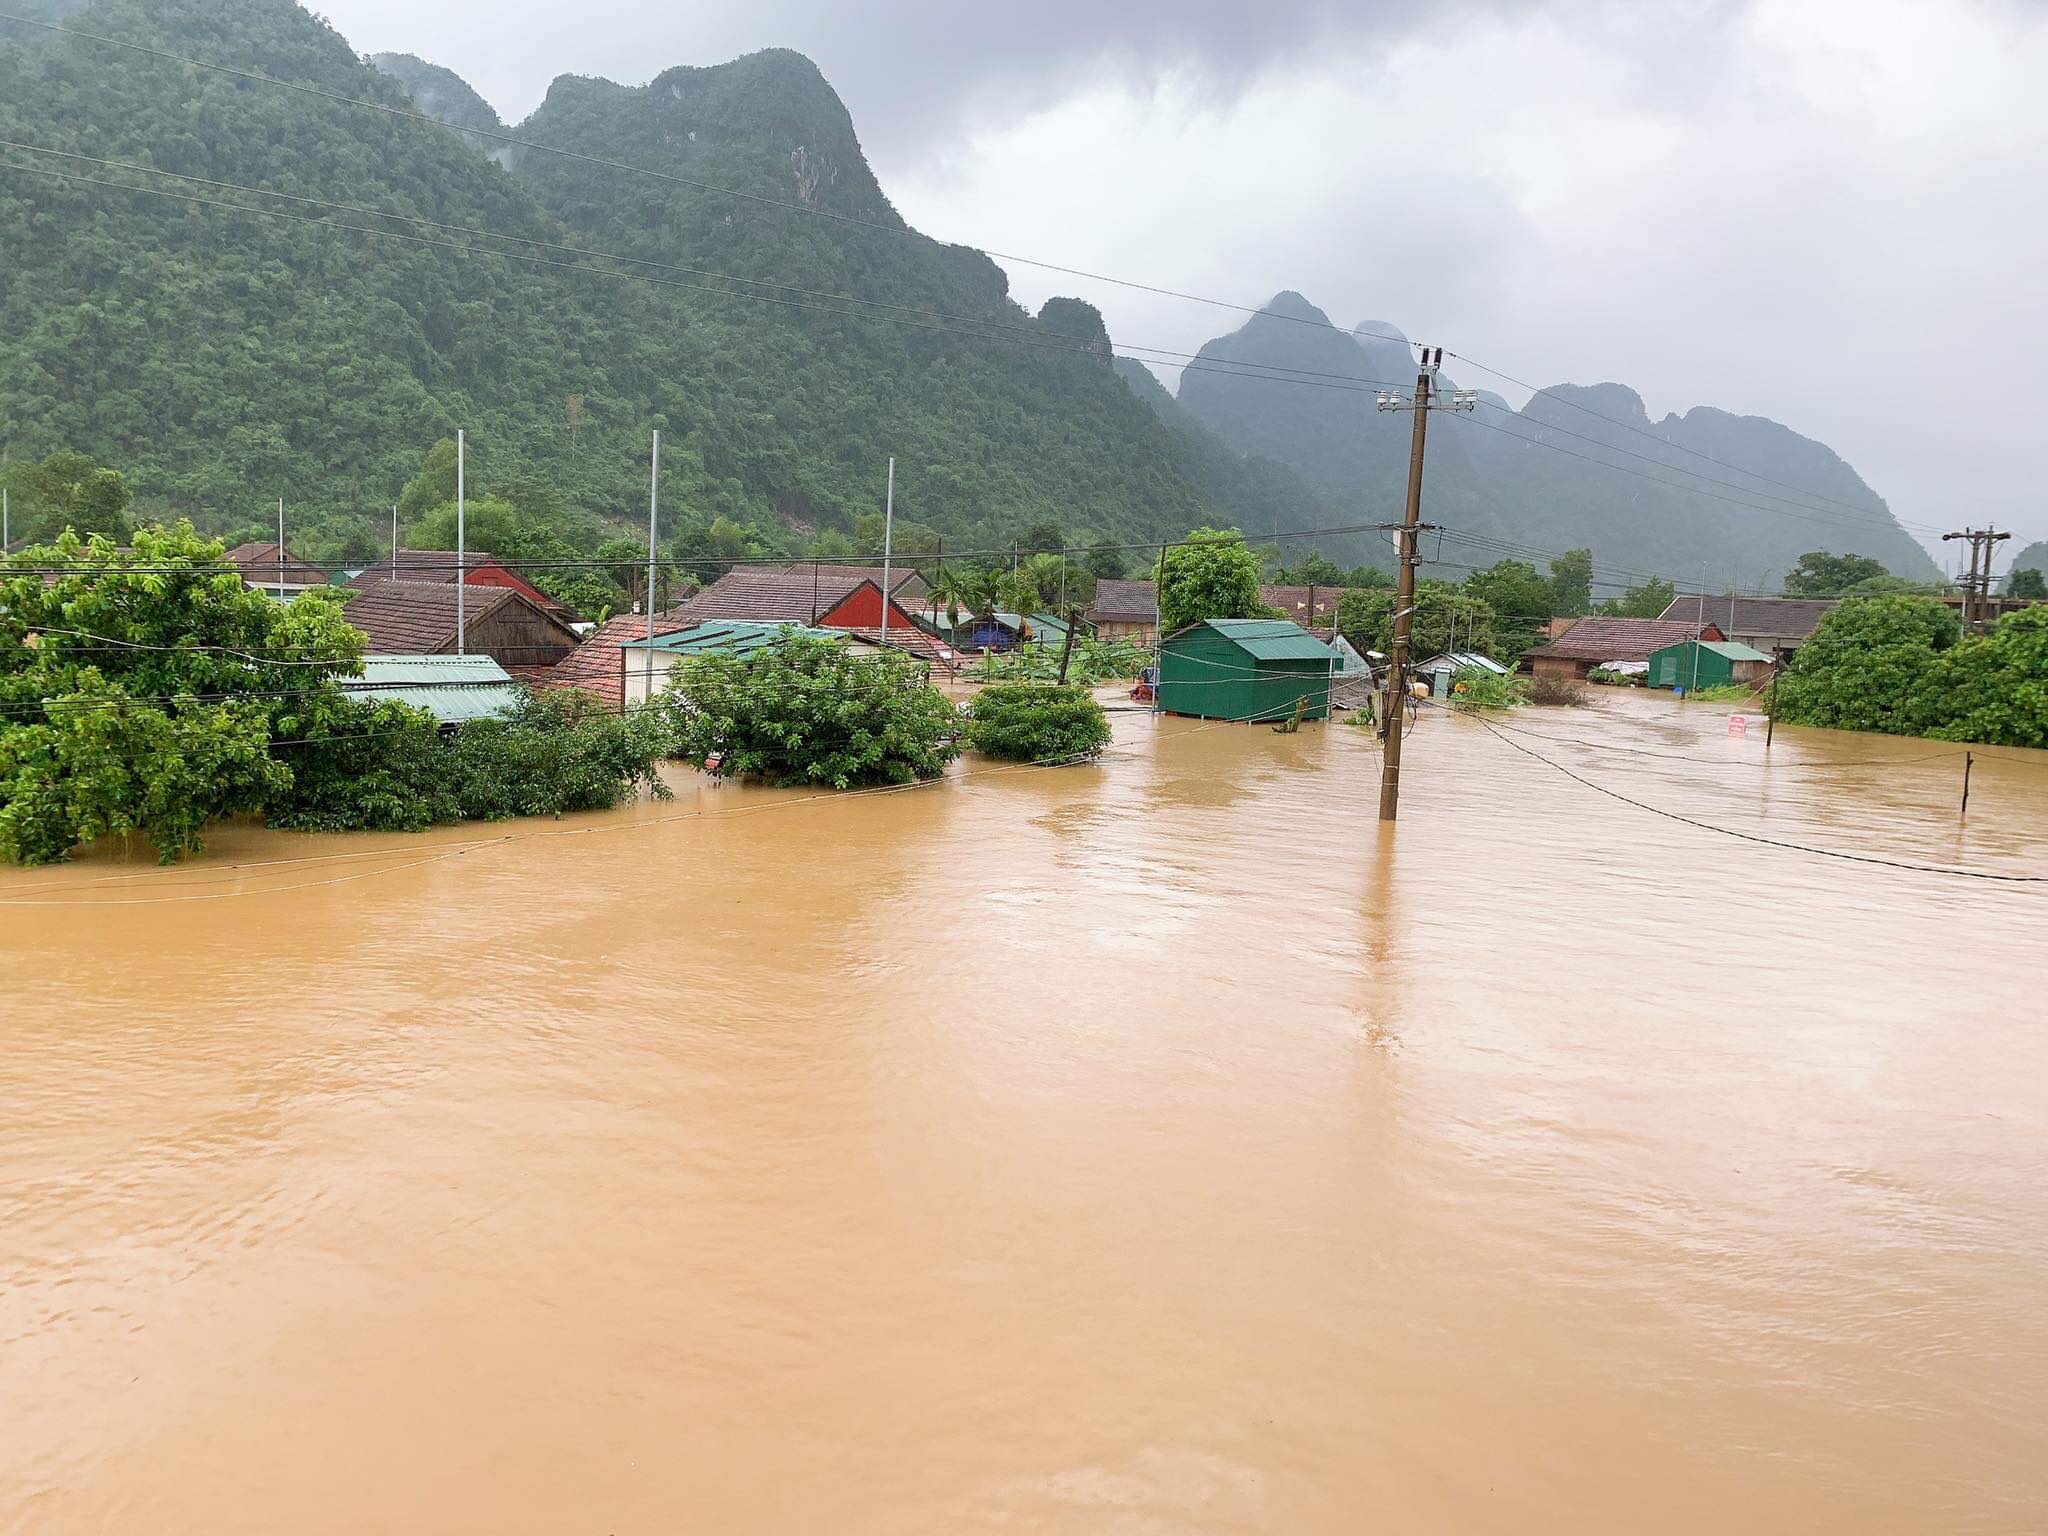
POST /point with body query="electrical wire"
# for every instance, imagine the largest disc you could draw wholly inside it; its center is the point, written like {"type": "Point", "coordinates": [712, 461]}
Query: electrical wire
{"type": "Point", "coordinates": [1752, 837]}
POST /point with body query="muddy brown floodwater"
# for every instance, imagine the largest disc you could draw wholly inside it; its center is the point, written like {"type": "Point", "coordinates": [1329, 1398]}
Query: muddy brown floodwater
{"type": "Point", "coordinates": [1148, 1147]}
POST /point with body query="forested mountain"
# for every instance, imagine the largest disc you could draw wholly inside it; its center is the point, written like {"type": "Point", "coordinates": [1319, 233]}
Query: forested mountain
{"type": "Point", "coordinates": [307, 332]}
{"type": "Point", "coordinates": [223, 358]}
{"type": "Point", "coordinates": [1498, 472]}
{"type": "Point", "coordinates": [2033, 558]}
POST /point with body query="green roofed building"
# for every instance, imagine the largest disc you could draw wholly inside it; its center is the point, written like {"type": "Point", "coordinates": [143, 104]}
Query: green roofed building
{"type": "Point", "coordinates": [1719, 663]}
{"type": "Point", "coordinates": [1245, 669]}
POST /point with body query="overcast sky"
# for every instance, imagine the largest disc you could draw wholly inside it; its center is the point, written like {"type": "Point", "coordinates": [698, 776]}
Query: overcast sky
{"type": "Point", "coordinates": [1830, 212]}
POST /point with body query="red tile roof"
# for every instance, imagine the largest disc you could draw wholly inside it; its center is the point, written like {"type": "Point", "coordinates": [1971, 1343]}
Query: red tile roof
{"type": "Point", "coordinates": [1294, 603]}
{"type": "Point", "coordinates": [597, 666]}
{"type": "Point", "coordinates": [900, 577]}
{"type": "Point", "coordinates": [1606, 639]}
{"type": "Point", "coordinates": [913, 642]}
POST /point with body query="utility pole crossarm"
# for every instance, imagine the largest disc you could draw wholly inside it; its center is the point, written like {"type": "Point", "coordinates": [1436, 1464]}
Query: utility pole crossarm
{"type": "Point", "coordinates": [1424, 400]}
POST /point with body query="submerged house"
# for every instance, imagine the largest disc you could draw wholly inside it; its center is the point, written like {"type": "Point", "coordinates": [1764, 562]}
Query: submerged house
{"type": "Point", "coordinates": [1245, 669]}
{"type": "Point", "coordinates": [1125, 610]}
{"type": "Point", "coordinates": [453, 689]}
{"type": "Point", "coordinates": [1707, 664]}
{"type": "Point", "coordinates": [1601, 641]}
{"type": "Point", "coordinates": [411, 618]}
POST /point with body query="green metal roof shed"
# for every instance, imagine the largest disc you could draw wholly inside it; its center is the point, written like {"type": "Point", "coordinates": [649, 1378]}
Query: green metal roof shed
{"type": "Point", "coordinates": [1245, 669]}
{"type": "Point", "coordinates": [1721, 662]}
{"type": "Point", "coordinates": [454, 689]}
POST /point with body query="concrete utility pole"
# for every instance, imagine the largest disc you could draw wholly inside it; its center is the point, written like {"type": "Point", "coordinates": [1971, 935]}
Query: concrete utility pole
{"type": "Point", "coordinates": [1977, 585]}
{"type": "Point", "coordinates": [6, 537]}
{"type": "Point", "coordinates": [394, 541]}
{"type": "Point", "coordinates": [280, 549]}
{"type": "Point", "coordinates": [1421, 404]}
{"type": "Point", "coordinates": [461, 562]}
{"type": "Point", "coordinates": [888, 536]}
{"type": "Point", "coordinates": [653, 497]}
{"type": "Point", "coordinates": [1700, 623]}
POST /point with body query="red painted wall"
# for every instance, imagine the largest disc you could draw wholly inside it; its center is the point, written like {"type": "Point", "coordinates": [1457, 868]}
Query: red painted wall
{"type": "Point", "coordinates": [862, 609]}
{"type": "Point", "coordinates": [498, 576]}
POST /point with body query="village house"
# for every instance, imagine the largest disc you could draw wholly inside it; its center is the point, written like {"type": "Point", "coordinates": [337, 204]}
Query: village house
{"type": "Point", "coordinates": [1126, 610]}
{"type": "Point", "coordinates": [1598, 641]}
{"type": "Point", "coordinates": [1708, 664]}
{"type": "Point", "coordinates": [1312, 607]}
{"type": "Point", "coordinates": [416, 618]}
{"type": "Point", "coordinates": [905, 584]}
{"type": "Point", "coordinates": [1777, 626]}
{"type": "Point", "coordinates": [453, 689]}
{"type": "Point", "coordinates": [1246, 669]}
{"type": "Point", "coordinates": [440, 565]}
{"type": "Point", "coordinates": [270, 569]}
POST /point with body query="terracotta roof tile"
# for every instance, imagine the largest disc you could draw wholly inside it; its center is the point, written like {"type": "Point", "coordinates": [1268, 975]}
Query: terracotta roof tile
{"type": "Point", "coordinates": [1609, 639]}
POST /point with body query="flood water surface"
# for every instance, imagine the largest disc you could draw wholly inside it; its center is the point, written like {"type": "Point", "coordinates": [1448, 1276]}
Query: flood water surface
{"type": "Point", "coordinates": [1157, 1146]}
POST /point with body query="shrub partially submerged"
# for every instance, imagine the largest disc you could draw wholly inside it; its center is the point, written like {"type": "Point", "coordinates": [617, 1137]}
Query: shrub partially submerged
{"type": "Point", "coordinates": [809, 711]}
{"type": "Point", "coordinates": [1478, 688]}
{"type": "Point", "coordinates": [396, 771]}
{"type": "Point", "coordinates": [1555, 690]}
{"type": "Point", "coordinates": [1043, 724]}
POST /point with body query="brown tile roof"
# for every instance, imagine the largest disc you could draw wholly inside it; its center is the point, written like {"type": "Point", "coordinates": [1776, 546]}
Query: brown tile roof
{"type": "Point", "coordinates": [1606, 639]}
{"type": "Point", "coordinates": [427, 565]}
{"type": "Point", "coordinates": [914, 642]}
{"type": "Point", "coordinates": [258, 563]}
{"type": "Point", "coordinates": [1784, 618]}
{"type": "Point", "coordinates": [1293, 603]}
{"type": "Point", "coordinates": [596, 666]}
{"type": "Point", "coordinates": [1124, 602]}
{"type": "Point", "coordinates": [771, 597]}
{"type": "Point", "coordinates": [416, 618]}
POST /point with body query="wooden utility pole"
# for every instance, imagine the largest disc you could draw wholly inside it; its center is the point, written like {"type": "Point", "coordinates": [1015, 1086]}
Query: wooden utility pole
{"type": "Point", "coordinates": [1073, 618]}
{"type": "Point", "coordinates": [1404, 589]}
{"type": "Point", "coordinates": [1977, 585]}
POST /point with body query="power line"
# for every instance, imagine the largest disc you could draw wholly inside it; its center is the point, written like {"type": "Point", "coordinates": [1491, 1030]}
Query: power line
{"type": "Point", "coordinates": [1551, 394]}
{"type": "Point", "coordinates": [898, 229]}
{"type": "Point", "coordinates": [1752, 837]}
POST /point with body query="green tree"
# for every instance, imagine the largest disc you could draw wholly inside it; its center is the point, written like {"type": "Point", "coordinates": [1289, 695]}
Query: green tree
{"type": "Point", "coordinates": [1820, 574]}
{"type": "Point", "coordinates": [1571, 583]}
{"type": "Point", "coordinates": [1647, 601]}
{"type": "Point", "coordinates": [1213, 575]}
{"type": "Point", "coordinates": [434, 485]}
{"type": "Point", "coordinates": [808, 711]}
{"type": "Point", "coordinates": [1446, 619]}
{"type": "Point", "coordinates": [1312, 570]}
{"type": "Point", "coordinates": [140, 691]}
{"type": "Point", "coordinates": [1036, 723]}
{"type": "Point", "coordinates": [68, 490]}
{"type": "Point", "coordinates": [2028, 582]}
{"type": "Point", "coordinates": [1994, 687]}
{"type": "Point", "coordinates": [1521, 598]}
{"type": "Point", "coordinates": [1870, 665]}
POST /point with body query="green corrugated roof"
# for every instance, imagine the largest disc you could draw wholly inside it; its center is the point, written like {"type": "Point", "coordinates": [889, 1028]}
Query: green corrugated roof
{"type": "Point", "coordinates": [726, 637]}
{"type": "Point", "coordinates": [454, 689]}
{"type": "Point", "coordinates": [1734, 650]}
{"type": "Point", "coordinates": [1273, 639]}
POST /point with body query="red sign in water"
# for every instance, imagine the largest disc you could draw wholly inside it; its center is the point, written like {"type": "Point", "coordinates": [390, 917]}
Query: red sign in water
{"type": "Point", "coordinates": [1737, 724]}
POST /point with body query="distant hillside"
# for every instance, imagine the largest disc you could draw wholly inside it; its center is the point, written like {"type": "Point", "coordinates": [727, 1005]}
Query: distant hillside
{"type": "Point", "coordinates": [2033, 558]}
{"type": "Point", "coordinates": [222, 359]}
{"type": "Point", "coordinates": [1489, 474]}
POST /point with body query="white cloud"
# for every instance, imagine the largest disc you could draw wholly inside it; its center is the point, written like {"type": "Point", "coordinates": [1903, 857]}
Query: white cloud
{"type": "Point", "coordinates": [1816, 210]}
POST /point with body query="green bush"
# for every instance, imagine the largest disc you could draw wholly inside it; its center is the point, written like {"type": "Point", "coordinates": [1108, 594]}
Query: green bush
{"type": "Point", "coordinates": [1723, 693]}
{"type": "Point", "coordinates": [1870, 665]}
{"type": "Point", "coordinates": [1477, 688]}
{"type": "Point", "coordinates": [1615, 679]}
{"type": "Point", "coordinates": [808, 711]}
{"type": "Point", "coordinates": [558, 752]}
{"type": "Point", "coordinates": [1555, 691]}
{"type": "Point", "coordinates": [1036, 724]}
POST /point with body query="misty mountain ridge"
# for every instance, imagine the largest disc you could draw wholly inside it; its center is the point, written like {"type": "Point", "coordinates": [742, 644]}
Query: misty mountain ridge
{"type": "Point", "coordinates": [219, 358]}
{"type": "Point", "coordinates": [1648, 503]}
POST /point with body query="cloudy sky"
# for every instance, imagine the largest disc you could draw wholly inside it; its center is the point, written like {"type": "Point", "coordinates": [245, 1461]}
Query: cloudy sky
{"type": "Point", "coordinates": [1830, 212]}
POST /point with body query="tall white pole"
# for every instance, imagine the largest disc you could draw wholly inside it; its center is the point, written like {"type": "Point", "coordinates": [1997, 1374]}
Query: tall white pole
{"type": "Point", "coordinates": [1702, 621]}
{"type": "Point", "coordinates": [653, 500]}
{"type": "Point", "coordinates": [888, 537]}
{"type": "Point", "coordinates": [461, 560]}
{"type": "Point", "coordinates": [5, 539]}
{"type": "Point", "coordinates": [394, 541]}
{"type": "Point", "coordinates": [280, 549]}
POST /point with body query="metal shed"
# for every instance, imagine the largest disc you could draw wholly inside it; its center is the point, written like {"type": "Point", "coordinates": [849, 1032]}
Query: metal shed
{"type": "Point", "coordinates": [1245, 669]}
{"type": "Point", "coordinates": [1719, 663]}
{"type": "Point", "coordinates": [454, 689]}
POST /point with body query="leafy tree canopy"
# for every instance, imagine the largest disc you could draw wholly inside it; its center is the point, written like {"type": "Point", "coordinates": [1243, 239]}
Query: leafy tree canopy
{"type": "Point", "coordinates": [1820, 574]}
{"type": "Point", "coordinates": [1036, 723]}
{"type": "Point", "coordinates": [1446, 619]}
{"type": "Point", "coordinates": [1213, 575]}
{"type": "Point", "coordinates": [809, 711]}
{"type": "Point", "coordinates": [1647, 601]}
{"type": "Point", "coordinates": [1571, 583]}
